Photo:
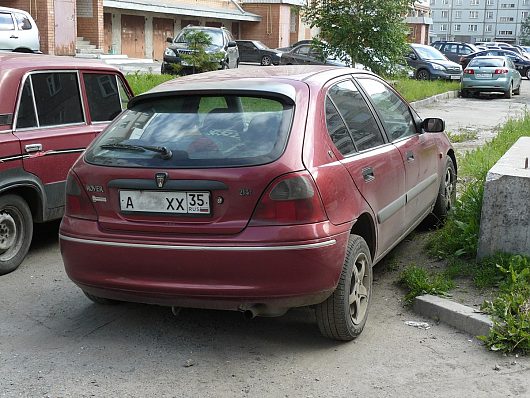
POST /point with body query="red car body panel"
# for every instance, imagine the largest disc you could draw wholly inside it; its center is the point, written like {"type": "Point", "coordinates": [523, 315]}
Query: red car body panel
{"type": "Point", "coordinates": [223, 261]}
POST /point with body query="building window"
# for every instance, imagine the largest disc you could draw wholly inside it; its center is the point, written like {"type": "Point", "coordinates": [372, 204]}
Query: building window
{"type": "Point", "coordinates": [490, 2]}
{"type": "Point", "coordinates": [445, 14]}
{"type": "Point", "coordinates": [524, 15]}
{"type": "Point", "coordinates": [294, 20]}
{"type": "Point", "coordinates": [433, 2]}
{"type": "Point", "coordinates": [505, 32]}
{"type": "Point", "coordinates": [445, 2]}
{"type": "Point", "coordinates": [458, 14]}
{"type": "Point", "coordinates": [443, 27]}
{"type": "Point", "coordinates": [457, 27]}
{"type": "Point", "coordinates": [474, 2]}
{"type": "Point", "coordinates": [472, 28]}
{"type": "Point", "coordinates": [489, 14]}
{"type": "Point", "coordinates": [506, 19]}
{"type": "Point", "coordinates": [458, 2]}
{"type": "Point", "coordinates": [489, 28]}
{"type": "Point", "coordinates": [525, 2]}
{"type": "Point", "coordinates": [508, 5]}
{"type": "Point", "coordinates": [473, 14]}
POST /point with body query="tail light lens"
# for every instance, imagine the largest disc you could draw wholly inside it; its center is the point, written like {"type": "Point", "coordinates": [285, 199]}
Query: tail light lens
{"type": "Point", "coordinates": [290, 199]}
{"type": "Point", "coordinates": [469, 71]}
{"type": "Point", "coordinates": [78, 203]}
{"type": "Point", "coordinates": [501, 71]}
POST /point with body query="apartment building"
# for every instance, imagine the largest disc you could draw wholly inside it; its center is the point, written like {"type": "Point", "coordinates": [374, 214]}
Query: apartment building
{"type": "Point", "coordinates": [478, 20]}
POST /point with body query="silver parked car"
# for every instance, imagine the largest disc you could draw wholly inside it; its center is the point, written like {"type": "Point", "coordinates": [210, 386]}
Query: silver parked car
{"type": "Point", "coordinates": [18, 31]}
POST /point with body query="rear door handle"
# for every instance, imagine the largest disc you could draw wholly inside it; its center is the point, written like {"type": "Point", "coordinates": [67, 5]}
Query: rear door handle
{"type": "Point", "coordinates": [368, 174]}
{"type": "Point", "coordinates": [33, 148]}
{"type": "Point", "coordinates": [13, 37]}
{"type": "Point", "coordinates": [410, 156]}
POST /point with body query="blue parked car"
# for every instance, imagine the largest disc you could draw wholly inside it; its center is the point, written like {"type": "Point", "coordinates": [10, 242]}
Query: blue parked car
{"type": "Point", "coordinates": [429, 63]}
{"type": "Point", "coordinates": [491, 74]}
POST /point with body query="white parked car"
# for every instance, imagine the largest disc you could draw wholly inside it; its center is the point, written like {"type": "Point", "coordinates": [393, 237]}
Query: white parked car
{"type": "Point", "coordinates": [18, 31]}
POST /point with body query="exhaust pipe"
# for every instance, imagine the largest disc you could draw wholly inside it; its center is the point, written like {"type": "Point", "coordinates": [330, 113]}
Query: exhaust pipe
{"type": "Point", "coordinates": [262, 310]}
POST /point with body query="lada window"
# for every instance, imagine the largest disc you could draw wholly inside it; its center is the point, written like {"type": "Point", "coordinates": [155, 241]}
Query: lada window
{"type": "Point", "coordinates": [196, 131]}
{"type": "Point", "coordinates": [105, 95]}
{"type": "Point", "coordinates": [50, 99]}
{"type": "Point", "coordinates": [356, 114]}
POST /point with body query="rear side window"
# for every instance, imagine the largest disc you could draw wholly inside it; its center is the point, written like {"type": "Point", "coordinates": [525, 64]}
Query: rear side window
{"type": "Point", "coordinates": [337, 130]}
{"type": "Point", "coordinates": [26, 110]}
{"type": "Point", "coordinates": [196, 131]}
{"type": "Point", "coordinates": [23, 21]}
{"type": "Point", "coordinates": [6, 21]}
{"type": "Point", "coordinates": [58, 98]}
{"type": "Point", "coordinates": [355, 112]}
{"type": "Point", "coordinates": [103, 96]}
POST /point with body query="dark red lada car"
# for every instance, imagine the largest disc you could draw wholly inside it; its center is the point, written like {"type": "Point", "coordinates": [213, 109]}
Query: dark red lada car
{"type": "Point", "coordinates": [51, 108]}
{"type": "Point", "coordinates": [255, 190]}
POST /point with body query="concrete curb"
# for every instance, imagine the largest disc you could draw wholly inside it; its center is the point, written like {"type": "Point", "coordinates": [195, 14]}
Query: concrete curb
{"type": "Point", "coordinates": [436, 98]}
{"type": "Point", "coordinates": [457, 315]}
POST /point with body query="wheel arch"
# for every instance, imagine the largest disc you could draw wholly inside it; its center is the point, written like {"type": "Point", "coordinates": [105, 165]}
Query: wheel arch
{"type": "Point", "coordinates": [365, 228]}
{"type": "Point", "coordinates": [31, 195]}
{"type": "Point", "coordinates": [451, 154]}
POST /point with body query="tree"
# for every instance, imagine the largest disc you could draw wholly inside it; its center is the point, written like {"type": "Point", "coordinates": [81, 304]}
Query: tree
{"type": "Point", "coordinates": [200, 59]}
{"type": "Point", "coordinates": [525, 32]}
{"type": "Point", "coordinates": [370, 32]}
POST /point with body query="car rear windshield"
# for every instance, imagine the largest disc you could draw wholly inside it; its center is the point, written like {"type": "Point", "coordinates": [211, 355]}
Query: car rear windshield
{"type": "Point", "coordinates": [191, 131]}
{"type": "Point", "coordinates": [486, 62]}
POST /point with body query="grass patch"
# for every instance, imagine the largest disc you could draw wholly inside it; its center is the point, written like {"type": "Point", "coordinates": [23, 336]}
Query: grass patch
{"type": "Point", "coordinates": [414, 90]}
{"type": "Point", "coordinates": [418, 281]}
{"type": "Point", "coordinates": [462, 136]}
{"type": "Point", "coordinates": [142, 82]}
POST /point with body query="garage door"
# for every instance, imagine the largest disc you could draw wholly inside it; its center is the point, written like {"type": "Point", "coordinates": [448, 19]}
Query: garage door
{"type": "Point", "coordinates": [162, 29]}
{"type": "Point", "coordinates": [132, 36]}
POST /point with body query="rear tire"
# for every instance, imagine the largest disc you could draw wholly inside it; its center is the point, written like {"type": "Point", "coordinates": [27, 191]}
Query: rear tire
{"type": "Point", "coordinates": [508, 93]}
{"type": "Point", "coordinates": [446, 197]}
{"type": "Point", "coordinates": [464, 93]}
{"type": "Point", "coordinates": [266, 60]}
{"type": "Point", "coordinates": [16, 231]}
{"type": "Point", "coordinates": [517, 91]}
{"type": "Point", "coordinates": [343, 315]}
{"type": "Point", "coordinates": [423, 74]}
{"type": "Point", "coordinates": [527, 73]}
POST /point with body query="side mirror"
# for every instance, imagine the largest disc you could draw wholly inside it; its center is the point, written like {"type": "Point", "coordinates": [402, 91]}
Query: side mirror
{"type": "Point", "coordinates": [433, 125]}
{"type": "Point", "coordinates": [231, 44]}
{"type": "Point", "coordinates": [411, 56]}
{"type": "Point", "coordinates": [169, 40]}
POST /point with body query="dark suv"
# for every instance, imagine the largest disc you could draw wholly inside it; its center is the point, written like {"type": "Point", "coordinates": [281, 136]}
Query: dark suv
{"type": "Point", "coordinates": [222, 41]}
{"type": "Point", "coordinates": [429, 63]}
{"type": "Point", "coordinates": [454, 50]}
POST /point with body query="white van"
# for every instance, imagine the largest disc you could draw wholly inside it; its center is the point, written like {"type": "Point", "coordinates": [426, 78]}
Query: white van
{"type": "Point", "coordinates": [18, 31]}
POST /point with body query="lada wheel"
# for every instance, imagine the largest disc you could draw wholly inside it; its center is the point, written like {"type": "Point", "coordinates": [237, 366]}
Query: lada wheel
{"type": "Point", "coordinates": [266, 60]}
{"type": "Point", "coordinates": [343, 315]}
{"type": "Point", "coordinates": [16, 230]}
{"type": "Point", "coordinates": [446, 195]}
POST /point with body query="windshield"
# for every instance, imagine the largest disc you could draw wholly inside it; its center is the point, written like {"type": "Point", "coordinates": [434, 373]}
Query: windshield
{"type": "Point", "coordinates": [260, 45]}
{"type": "Point", "coordinates": [486, 62]}
{"type": "Point", "coordinates": [196, 131]}
{"type": "Point", "coordinates": [215, 35]}
{"type": "Point", "coordinates": [430, 53]}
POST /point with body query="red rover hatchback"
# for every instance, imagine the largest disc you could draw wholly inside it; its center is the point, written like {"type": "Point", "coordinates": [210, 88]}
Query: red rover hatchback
{"type": "Point", "coordinates": [255, 190]}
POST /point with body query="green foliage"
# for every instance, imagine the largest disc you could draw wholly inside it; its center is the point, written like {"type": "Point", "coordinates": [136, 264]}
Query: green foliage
{"type": "Point", "coordinates": [525, 32]}
{"type": "Point", "coordinates": [462, 136]}
{"type": "Point", "coordinates": [511, 309]}
{"type": "Point", "coordinates": [200, 59]}
{"type": "Point", "coordinates": [371, 32]}
{"type": "Point", "coordinates": [418, 281]}
{"type": "Point", "coordinates": [140, 83]}
{"type": "Point", "coordinates": [414, 90]}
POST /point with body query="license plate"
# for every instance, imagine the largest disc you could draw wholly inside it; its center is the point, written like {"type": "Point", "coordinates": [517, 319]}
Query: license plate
{"type": "Point", "coordinates": [457, 77]}
{"type": "Point", "coordinates": [196, 202]}
{"type": "Point", "coordinates": [483, 75]}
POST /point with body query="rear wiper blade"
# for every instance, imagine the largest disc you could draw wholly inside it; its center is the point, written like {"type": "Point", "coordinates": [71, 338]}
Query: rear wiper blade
{"type": "Point", "coordinates": [165, 152]}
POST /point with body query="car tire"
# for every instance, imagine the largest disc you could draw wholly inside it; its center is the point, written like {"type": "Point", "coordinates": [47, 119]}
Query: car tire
{"type": "Point", "coordinates": [508, 93]}
{"type": "Point", "coordinates": [446, 196]}
{"type": "Point", "coordinates": [464, 93]}
{"type": "Point", "coordinates": [527, 73]}
{"type": "Point", "coordinates": [343, 315]}
{"type": "Point", "coordinates": [423, 74]}
{"type": "Point", "coordinates": [16, 231]}
{"type": "Point", "coordinates": [266, 60]}
{"type": "Point", "coordinates": [224, 65]}
{"type": "Point", "coordinates": [100, 300]}
{"type": "Point", "coordinates": [517, 91]}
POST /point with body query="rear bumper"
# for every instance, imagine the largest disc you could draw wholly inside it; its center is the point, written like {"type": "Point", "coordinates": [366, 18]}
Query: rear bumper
{"type": "Point", "coordinates": [232, 275]}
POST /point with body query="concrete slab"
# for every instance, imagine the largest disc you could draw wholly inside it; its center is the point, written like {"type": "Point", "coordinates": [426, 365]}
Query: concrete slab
{"type": "Point", "coordinates": [457, 315]}
{"type": "Point", "coordinates": [505, 218]}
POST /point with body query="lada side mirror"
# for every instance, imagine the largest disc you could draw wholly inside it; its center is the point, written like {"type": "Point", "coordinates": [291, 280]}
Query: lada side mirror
{"type": "Point", "coordinates": [433, 125]}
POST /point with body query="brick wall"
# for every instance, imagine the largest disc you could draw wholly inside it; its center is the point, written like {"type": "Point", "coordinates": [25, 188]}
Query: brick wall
{"type": "Point", "coordinates": [91, 28]}
{"type": "Point", "coordinates": [267, 31]}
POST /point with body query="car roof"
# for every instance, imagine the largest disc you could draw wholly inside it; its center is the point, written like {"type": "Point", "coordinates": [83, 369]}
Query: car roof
{"type": "Point", "coordinates": [282, 80]}
{"type": "Point", "coordinates": [29, 62]}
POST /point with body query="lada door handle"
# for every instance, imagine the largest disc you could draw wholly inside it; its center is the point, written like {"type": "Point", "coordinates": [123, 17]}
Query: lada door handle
{"type": "Point", "coordinates": [33, 148]}
{"type": "Point", "coordinates": [410, 156]}
{"type": "Point", "coordinates": [368, 174]}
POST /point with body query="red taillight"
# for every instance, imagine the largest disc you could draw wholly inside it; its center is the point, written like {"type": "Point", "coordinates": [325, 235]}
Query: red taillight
{"type": "Point", "coordinates": [501, 71]}
{"type": "Point", "coordinates": [290, 199]}
{"type": "Point", "coordinates": [469, 71]}
{"type": "Point", "coordinates": [78, 204]}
